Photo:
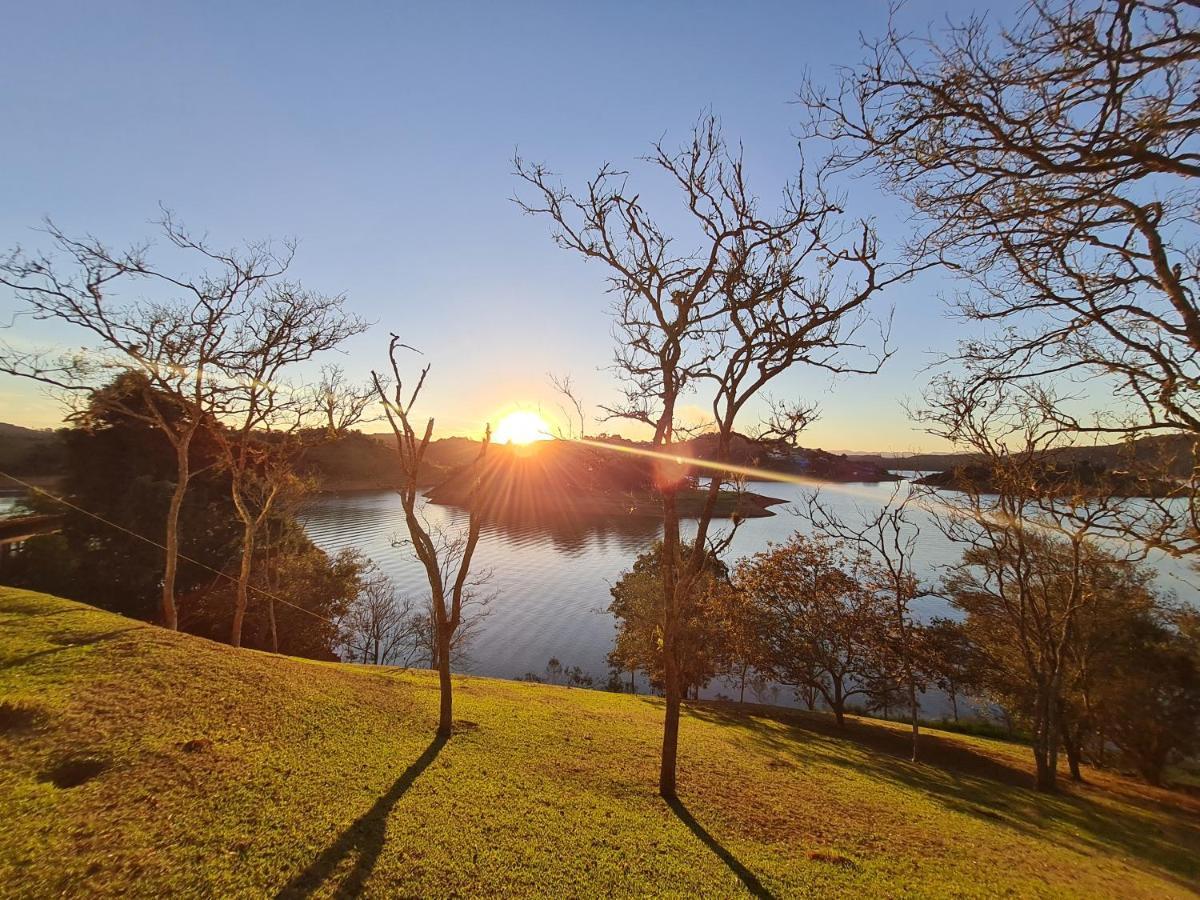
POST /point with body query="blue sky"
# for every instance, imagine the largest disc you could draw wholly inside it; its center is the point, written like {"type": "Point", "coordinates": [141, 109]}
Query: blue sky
{"type": "Point", "coordinates": [381, 136]}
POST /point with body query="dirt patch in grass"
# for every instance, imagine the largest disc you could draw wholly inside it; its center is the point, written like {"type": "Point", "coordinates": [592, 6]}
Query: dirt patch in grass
{"type": "Point", "coordinates": [936, 750]}
{"type": "Point", "coordinates": [18, 717]}
{"type": "Point", "coordinates": [833, 859]}
{"type": "Point", "coordinates": [72, 771]}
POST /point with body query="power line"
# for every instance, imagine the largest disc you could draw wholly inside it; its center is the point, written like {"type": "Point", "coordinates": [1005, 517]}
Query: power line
{"type": "Point", "coordinates": [154, 543]}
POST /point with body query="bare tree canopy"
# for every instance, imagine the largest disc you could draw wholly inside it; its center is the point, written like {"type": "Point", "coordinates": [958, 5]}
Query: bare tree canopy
{"type": "Point", "coordinates": [719, 311]}
{"type": "Point", "coordinates": [192, 340]}
{"type": "Point", "coordinates": [1052, 164]}
{"type": "Point", "coordinates": [446, 557]}
{"type": "Point", "coordinates": [889, 537]}
{"type": "Point", "coordinates": [1027, 537]}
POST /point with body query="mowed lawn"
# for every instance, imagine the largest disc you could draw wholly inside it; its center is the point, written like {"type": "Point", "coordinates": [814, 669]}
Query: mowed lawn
{"type": "Point", "coordinates": [137, 761]}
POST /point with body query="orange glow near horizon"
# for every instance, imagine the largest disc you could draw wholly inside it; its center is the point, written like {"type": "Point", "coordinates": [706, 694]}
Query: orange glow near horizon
{"type": "Point", "coordinates": [521, 427]}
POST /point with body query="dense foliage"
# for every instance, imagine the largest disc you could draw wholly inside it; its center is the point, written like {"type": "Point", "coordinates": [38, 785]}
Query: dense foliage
{"type": "Point", "coordinates": [118, 480]}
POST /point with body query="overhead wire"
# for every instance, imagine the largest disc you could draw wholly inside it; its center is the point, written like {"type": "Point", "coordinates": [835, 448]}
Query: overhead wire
{"type": "Point", "coordinates": [141, 537]}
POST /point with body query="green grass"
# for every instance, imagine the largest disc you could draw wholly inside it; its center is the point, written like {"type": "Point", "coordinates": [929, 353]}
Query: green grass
{"type": "Point", "coordinates": [321, 778]}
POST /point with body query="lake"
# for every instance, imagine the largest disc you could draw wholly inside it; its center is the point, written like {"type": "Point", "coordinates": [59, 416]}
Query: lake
{"type": "Point", "coordinates": [551, 583]}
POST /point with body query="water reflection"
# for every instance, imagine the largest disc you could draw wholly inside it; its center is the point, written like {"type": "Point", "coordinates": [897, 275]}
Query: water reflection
{"type": "Point", "coordinates": [552, 577]}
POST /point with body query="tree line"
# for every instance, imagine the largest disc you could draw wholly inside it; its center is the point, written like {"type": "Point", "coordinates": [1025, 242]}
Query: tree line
{"type": "Point", "coordinates": [818, 615]}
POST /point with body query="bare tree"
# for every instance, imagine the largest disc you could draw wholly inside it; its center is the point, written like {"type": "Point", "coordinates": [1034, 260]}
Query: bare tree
{"type": "Point", "coordinates": [446, 560]}
{"type": "Point", "coordinates": [382, 626]}
{"type": "Point", "coordinates": [1027, 529]}
{"type": "Point", "coordinates": [889, 536]}
{"type": "Point", "coordinates": [1052, 164]}
{"type": "Point", "coordinates": [178, 341]}
{"type": "Point", "coordinates": [262, 415]}
{"type": "Point", "coordinates": [759, 295]}
{"type": "Point", "coordinates": [340, 404]}
{"type": "Point", "coordinates": [572, 405]}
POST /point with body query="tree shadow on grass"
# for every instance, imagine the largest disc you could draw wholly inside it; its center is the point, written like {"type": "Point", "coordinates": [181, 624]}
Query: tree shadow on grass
{"type": "Point", "coordinates": [364, 836]}
{"type": "Point", "coordinates": [749, 879]}
{"type": "Point", "coordinates": [66, 641]}
{"type": "Point", "coordinates": [964, 779]}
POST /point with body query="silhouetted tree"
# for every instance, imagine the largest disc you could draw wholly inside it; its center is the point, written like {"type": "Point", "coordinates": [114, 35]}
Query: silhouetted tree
{"type": "Point", "coordinates": [738, 621]}
{"type": "Point", "coordinates": [889, 536]}
{"type": "Point", "coordinates": [183, 336]}
{"type": "Point", "coordinates": [121, 467]}
{"type": "Point", "coordinates": [1137, 684]}
{"type": "Point", "coordinates": [1052, 163]}
{"type": "Point", "coordinates": [1028, 532]}
{"type": "Point", "coordinates": [263, 416]}
{"type": "Point", "coordinates": [951, 659]}
{"type": "Point", "coordinates": [758, 294]}
{"type": "Point", "coordinates": [382, 627]}
{"type": "Point", "coordinates": [445, 558]}
{"type": "Point", "coordinates": [121, 470]}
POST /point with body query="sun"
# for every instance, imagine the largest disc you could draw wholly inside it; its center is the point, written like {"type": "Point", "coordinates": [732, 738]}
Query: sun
{"type": "Point", "coordinates": [521, 427]}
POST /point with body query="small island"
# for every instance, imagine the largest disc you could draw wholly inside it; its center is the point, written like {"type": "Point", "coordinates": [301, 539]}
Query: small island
{"type": "Point", "coordinates": [563, 480]}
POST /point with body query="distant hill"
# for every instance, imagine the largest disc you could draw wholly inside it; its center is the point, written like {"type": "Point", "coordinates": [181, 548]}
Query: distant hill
{"type": "Point", "coordinates": [368, 461]}
{"type": "Point", "coordinates": [777, 457]}
{"type": "Point", "coordinates": [1175, 450]}
{"type": "Point", "coordinates": [29, 451]}
{"type": "Point", "coordinates": [562, 480]}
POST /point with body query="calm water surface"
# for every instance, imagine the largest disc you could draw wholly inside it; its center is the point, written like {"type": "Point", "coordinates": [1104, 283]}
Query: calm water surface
{"type": "Point", "coordinates": [551, 583]}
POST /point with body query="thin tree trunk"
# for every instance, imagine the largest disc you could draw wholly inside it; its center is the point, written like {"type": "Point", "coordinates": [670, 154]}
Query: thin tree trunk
{"type": "Point", "coordinates": [171, 541]}
{"type": "Point", "coordinates": [1053, 738]}
{"type": "Point", "coordinates": [670, 578]}
{"type": "Point", "coordinates": [670, 746]}
{"type": "Point", "coordinates": [916, 728]}
{"type": "Point", "coordinates": [1045, 749]}
{"type": "Point", "coordinates": [243, 585]}
{"type": "Point", "coordinates": [274, 629]}
{"type": "Point", "coordinates": [446, 709]}
{"type": "Point", "coordinates": [1073, 760]}
{"type": "Point", "coordinates": [273, 581]}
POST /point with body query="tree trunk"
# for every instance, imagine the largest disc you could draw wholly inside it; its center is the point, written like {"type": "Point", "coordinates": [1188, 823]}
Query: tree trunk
{"type": "Point", "coordinates": [1073, 754]}
{"type": "Point", "coordinates": [274, 629]}
{"type": "Point", "coordinates": [954, 703]}
{"type": "Point", "coordinates": [742, 695]}
{"type": "Point", "coordinates": [446, 710]}
{"type": "Point", "coordinates": [1045, 746]}
{"type": "Point", "coordinates": [243, 585]}
{"type": "Point", "coordinates": [916, 728]}
{"type": "Point", "coordinates": [672, 686]}
{"type": "Point", "coordinates": [670, 745]}
{"type": "Point", "coordinates": [1072, 730]}
{"type": "Point", "coordinates": [171, 541]}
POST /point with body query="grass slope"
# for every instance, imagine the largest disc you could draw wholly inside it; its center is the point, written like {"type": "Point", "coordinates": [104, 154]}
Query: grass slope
{"type": "Point", "coordinates": [227, 772]}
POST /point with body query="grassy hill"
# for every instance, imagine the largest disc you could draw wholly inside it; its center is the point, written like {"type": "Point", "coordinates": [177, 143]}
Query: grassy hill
{"type": "Point", "coordinates": [141, 761]}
